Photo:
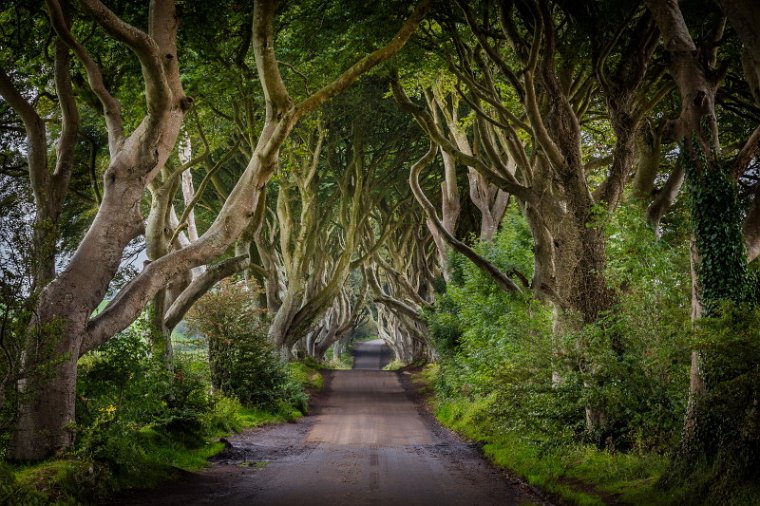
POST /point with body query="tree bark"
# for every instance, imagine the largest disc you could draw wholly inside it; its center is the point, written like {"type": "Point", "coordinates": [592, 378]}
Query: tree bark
{"type": "Point", "coordinates": [744, 17]}
{"type": "Point", "coordinates": [708, 180]}
{"type": "Point", "coordinates": [69, 300]}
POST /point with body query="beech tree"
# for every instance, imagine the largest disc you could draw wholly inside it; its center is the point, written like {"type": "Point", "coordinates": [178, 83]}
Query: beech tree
{"type": "Point", "coordinates": [724, 234]}
{"type": "Point", "coordinates": [345, 314]}
{"type": "Point", "coordinates": [401, 280]}
{"type": "Point", "coordinates": [532, 96]}
{"type": "Point", "coordinates": [136, 157]}
{"type": "Point", "coordinates": [260, 157]}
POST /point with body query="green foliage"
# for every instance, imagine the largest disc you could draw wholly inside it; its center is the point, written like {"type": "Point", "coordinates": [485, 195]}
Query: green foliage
{"type": "Point", "coordinates": [16, 266]}
{"type": "Point", "coordinates": [634, 359]}
{"type": "Point", "coordinates": [494, 345]}
{"type": "Point", "coordinates": [577, 474]}
{"type": "Point", "coordinates": [242, 359]}
{"type": "Point", "coordinates": [504, 382]}
{"type": "Point", "coordinates": [138, 421]}
{"type": "Point", "coordinates": [322, 38]}
{"type": "Point", "coordinates": [723, 271]}
{"type": "Point", "coordinates": [128, 402]}
{"type": "Point", "coordinates": [60, 482]}
{"type": "Point", "coordinates": [343, 362]}
{"type": "Point", "coordinates": [718, 459]}
{"type": "Point", "coordinates": [227, 416]}
{"type": "Point", "coordinates": [720, 453]}
{"type": "Point", "coordinates": [472, 295]}
{"type": "Point", "coordinates": [12, 492]}
{"type": "Point", "coordinates": [635, 374]}
{"type": "Point", "coordinates": [307, 373]}
{"type": "Point", "coordinates": [394, 365]}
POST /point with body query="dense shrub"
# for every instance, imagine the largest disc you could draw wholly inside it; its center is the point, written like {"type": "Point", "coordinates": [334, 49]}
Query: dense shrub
{"type": "Point", "coordinates": [126, 398]}
{"type": "Point", "coordinates": [243, 362]}
{"type": "Point", "coordinates": [498, 350]}
{"type": "Point", "coordinates": [719, 456]}
{"type": "Point", "coordinates": [139, 420]}
{"type": "Point", "coordinates": [638, 353]}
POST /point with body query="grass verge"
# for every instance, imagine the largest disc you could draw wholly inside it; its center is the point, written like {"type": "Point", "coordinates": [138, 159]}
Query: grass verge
{"type": "Point", "coordinates": [75, 479]}
{"type": "Point", "coordinates": [307, 373]}
{"type": "Point", "coordinates": [153, 457]}
{"type": "Point", "coordinates": [343, 363]}
{"type": "Point", "coordinates": [574, 474]}
{"type": "Point", "coordinates": [394, 365]}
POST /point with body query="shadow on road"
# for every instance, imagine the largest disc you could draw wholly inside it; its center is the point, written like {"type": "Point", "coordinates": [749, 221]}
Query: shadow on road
{"type": "Point", "coordinates": [372, 355]}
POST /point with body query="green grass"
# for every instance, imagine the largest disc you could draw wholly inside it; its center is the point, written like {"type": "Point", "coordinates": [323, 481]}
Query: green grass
{"type": "Point", "coordinates": [74, 479]}
{"type": "Point", "coordinates": [581, 474]}
{"type": "Point", "coordinates": [255, 417]}
{"type": "Point", "coordinates": [424, 378]}
{"type": "Point", "coordinates": [577, 474]}
{"type": "Point", "coordinates": [307, 373]}
{"type": "Point", "coordinates": [395, 365]}
{"type": "Point", "coordinates": [342, 363]}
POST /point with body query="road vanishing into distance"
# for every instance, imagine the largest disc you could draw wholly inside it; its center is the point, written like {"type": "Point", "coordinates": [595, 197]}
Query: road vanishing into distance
{"type": "Point", "coordinates": [367, 443]}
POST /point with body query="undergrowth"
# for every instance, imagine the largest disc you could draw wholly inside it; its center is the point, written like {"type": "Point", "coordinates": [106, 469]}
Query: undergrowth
{"type": "Point", "coordinates": [139, 422]}
{"type": "Point", "coordinates": [507, 380]}
{"type": "Point", "coordinates": [394, 365]}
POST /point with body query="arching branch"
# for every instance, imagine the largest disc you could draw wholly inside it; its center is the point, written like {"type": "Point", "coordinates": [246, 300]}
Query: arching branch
{"type": "Point", "coordinates": [111, 107]}
{"type": "Point", "coordinates": [499, 277]}
{"type": "Point", "coordinates": [204, 283]}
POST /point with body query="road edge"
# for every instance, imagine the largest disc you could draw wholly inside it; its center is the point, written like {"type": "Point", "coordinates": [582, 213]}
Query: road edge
{"type": "Point", "coordinates": [423, 401]}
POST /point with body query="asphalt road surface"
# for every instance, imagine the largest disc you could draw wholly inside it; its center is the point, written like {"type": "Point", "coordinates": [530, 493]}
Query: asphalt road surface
{"type": "Point", "coordinates": [372, 355]}
{"type": "Point", "coordinates": [368, 443]}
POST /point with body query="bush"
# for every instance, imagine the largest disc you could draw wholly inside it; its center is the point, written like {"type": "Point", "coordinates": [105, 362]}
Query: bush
{"type": "Point", "coordinates": [137, 421]}
{"type": "Point", "coordinates": [243, 362]}
{"type": "Point", "coordinates": [506, 380]}
{"type": "Point", "coordinates": [126, 399]}
{"type": "Point", "coordinates": [226, 415]}
{"type": "Point", "coordinates": [498, 346]}
{"type": "Point", "coordinates": [632, 364]}
{"type": "Point", "coordinates": [719, 457]}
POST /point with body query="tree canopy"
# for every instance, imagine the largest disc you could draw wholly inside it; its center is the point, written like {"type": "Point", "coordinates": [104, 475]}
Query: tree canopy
{"type": "Point", "coordinates": [556, 199]}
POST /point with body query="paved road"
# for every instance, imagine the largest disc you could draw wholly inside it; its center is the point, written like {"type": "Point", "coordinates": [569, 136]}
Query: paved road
{"type": "Point", "coordinates": [372, 355]}
{"type": "Point", "coordinates": [368, 444]}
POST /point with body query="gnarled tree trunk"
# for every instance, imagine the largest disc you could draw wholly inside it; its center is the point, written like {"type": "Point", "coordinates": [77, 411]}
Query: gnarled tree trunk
{"type": "Point", "coordinates": [67, 303]}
